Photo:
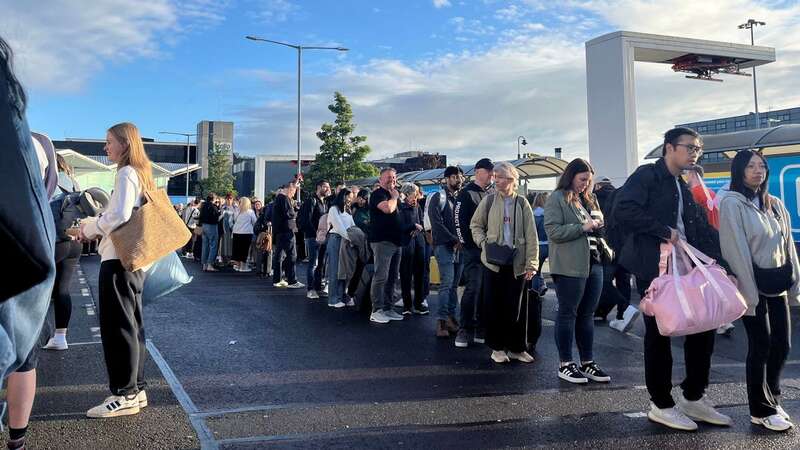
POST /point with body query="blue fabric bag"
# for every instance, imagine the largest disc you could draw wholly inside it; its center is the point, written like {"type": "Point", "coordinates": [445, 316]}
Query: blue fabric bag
{"type": "Point", "coordinates": [164, 276]}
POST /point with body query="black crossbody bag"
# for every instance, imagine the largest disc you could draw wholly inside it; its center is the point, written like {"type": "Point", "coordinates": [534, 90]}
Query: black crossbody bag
{"type": "Point", "coordinates": [498, 254]}
{"type": "Point", "coordinates": [775, 280]}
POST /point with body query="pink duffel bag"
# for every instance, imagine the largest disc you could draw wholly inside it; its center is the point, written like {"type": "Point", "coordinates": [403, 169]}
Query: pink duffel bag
{"type": "Point", "coordinates": [698, 301]}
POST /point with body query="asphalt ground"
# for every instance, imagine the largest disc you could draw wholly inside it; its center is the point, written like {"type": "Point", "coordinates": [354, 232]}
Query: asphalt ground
{"type": "Point", "coordinates": [238, 364]}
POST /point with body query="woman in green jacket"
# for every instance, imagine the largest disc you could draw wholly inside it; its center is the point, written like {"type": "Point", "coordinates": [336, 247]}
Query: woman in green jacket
{"type": "Point", "coordinates": [505, 219]}
{"type": "Point", "coordinates": [573, 221]}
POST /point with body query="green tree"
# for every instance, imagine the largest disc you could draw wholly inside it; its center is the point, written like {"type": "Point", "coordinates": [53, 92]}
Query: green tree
{"type": "Point", "coordinates": [342, 155]}
{"type": "Point", "coordinates": [220, 179]}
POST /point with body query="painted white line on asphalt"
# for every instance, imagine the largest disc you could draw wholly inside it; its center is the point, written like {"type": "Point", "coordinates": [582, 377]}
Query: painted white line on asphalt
{"type": "Point", "coordinates": [85, 343]}
{"type": "Point", "coordinates": [635, 415]}
{"type": "Point", "coordinates": [85, 292]}
{"type": "Point", "coordinates": [204, 434]}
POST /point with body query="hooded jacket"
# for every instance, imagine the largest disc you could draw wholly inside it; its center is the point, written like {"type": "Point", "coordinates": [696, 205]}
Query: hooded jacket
{"type": "Point", "coordinates": [467, 202]}
{"type": "Point", "coordinates": [750, 236]}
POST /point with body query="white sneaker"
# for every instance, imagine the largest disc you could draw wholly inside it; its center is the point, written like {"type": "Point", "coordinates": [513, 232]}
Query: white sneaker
{"type": "Point", "coordinates": [142, 398]}
{"type": "Point", "coordinates": [337, 305]}
{"type": "Point", "coordinates": [775, 422]}
{"type": "Point", "coordinates": [312, 294]}
{"type": "Point", "coordinates": [782, 412]}
{"type": "Point", "coordinates": [399, 303]}
{"type": "Point", "coordinates": [629, 318]}
{"type": "Point", "coordinates": [351, 302]}
{"type": "Point", "coordinates": [296, 285]}
{"type": "Point", "coordinates": [703, 410]}
{"type": "Point", "coordinates": [425, 303]}
{"type": "Point", "coordinates": [391, 315]}
{"type": "Point", "coordinates": [521, 357]}
{"type": "Point", "coordinates": [671, 417]}
{"type": "Point", "coordinates": [725, 328]}
{"type": "Point", "coordinates": [617, 324]}
{"type": "Point", "coordinates": [500, 357]}
{"type": "Point", "coordinates": [56, 343]}
{"type": "Point", "coordinates": [244, 269]}
{"type": "Point", "coordinates": [281, 284]}
{"type": "Point", "coordinates": [114, 406]}
{"type": "Point", "coordinates": [378, 317]}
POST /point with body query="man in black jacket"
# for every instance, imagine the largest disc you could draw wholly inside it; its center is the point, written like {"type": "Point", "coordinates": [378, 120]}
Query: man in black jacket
{"type": "Point", "coordinates": [284, 225]}
{"type": "Point", "coordinates": [308, 218]}
{"type": "Point", "coordinates": [446, 248]}
{"type": "Point", "coordinates": [655, 206]}
{"type": "Point", "coordinates": [471, 326]}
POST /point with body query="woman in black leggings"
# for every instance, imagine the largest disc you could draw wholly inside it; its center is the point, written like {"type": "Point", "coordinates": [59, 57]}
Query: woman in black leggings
{"type": "Point", "coordinates": [67, 255]}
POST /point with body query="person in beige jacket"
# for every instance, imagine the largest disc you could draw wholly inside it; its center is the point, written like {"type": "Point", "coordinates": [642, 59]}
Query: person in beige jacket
{"type": "Point", "coordinates": [506, 218]}
{"type": "Point", "coordinates": [755, 233]}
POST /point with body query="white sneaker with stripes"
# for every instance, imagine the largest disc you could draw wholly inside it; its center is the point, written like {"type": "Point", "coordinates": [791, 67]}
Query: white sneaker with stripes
{"type": "Point", "coordinates": [114, 406]}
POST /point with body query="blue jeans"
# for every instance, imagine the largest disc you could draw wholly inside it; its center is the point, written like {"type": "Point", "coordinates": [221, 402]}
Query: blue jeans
{"type": "Point", "coordinates": [210, 241]}
{"type": "Point", "coordinates": [577, 300]}
{"type": "Point", "coordinates": [449, 275]}
{"type": "Point", "coordinates": [335, 285]}
{"type": "Point", "coordinates": [313, 269]}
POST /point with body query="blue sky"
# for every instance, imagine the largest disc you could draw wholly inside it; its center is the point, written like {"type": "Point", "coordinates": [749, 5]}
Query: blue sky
{"type": "Point", "coordinates": [463, 78]}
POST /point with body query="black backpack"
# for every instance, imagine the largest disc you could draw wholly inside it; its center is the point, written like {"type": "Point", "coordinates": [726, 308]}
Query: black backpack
{"type": "Point", "coordinates": [615, 234]}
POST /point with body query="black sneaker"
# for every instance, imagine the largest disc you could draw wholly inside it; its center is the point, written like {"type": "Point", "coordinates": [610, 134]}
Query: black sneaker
{"type": "Point", "coordinates": [407, 312]}
{"type": "Point", "coordinates": [420, 310]}
{"type": "Point", "coordinates": [571, 373]}
{"type": "Point", "coordinates": [593, 372]}
{"type": "Point", "coordinates": [480, 337]}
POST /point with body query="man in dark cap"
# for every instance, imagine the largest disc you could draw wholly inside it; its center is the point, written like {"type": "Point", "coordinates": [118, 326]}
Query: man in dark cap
{"type": "Point", "coordinates": [446, 248]}
{"type": "Point", "coordinates": [471, 327]}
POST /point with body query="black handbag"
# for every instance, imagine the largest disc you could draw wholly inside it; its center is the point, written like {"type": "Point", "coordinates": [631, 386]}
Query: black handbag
{"type": "Point", "coordinates": [775, 280]}
{"type": "Point", "coordinates": [498, 254]}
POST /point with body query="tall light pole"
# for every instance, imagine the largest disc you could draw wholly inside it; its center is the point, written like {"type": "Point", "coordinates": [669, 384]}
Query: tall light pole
{"type": "Point", "coordinates": [299, 49]}
{"type": "Point", "coordinates": [749, 25]}
{"type": "Point", "coordinates": [523, 142]}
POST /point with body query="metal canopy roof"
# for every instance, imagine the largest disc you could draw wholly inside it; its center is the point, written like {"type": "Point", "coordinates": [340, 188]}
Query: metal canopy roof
{"type": "Point", "coordinates": [740, 140]}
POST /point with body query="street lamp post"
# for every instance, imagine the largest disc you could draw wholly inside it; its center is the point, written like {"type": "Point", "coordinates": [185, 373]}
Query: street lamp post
{"type": "Point", "coordinates": [749, 25]}
{"type": "Point", "coordinates": [188, 150]}
{"type": "Point", "coordinates": [523, 142]}
{"type": "Point", "coordinates": [299, 49]}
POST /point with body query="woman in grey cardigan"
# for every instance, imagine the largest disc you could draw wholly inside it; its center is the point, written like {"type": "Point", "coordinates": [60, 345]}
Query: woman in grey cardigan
{"type": "Point", "coordinates": [573, 221]}
{"type": "Point", "coordinates": [506, 219]}
{"type": "Point", "coordinates": [756, 240]}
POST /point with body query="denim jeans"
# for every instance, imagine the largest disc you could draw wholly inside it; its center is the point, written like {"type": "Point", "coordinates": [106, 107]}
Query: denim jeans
{"type": "Point", "coordinates": [577, 300]}
{"type": "Point", "coordinates": [313, 269]}
{"type": "Point", "coordinates": [210, 241]}
{"type": "Point", "coordinates": [335, 285]}
{"type": "Point", "coordinates": [472, 310]}
{"type": "Point", "coordinates": [387, 270]}
{"type": "Point", "coordinates": [449, 275]}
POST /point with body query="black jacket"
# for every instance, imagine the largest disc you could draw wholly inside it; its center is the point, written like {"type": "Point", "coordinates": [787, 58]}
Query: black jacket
{"type": "Point", "coordinates": [645, 209]}
{"type": "Point", "coordinates": [308, 217]}
{"type": "Point", "coordinates": [466, 203]}
{"type": "Point", "coordinates": [409, 217]}
{"type": "Point", "coordinates": [209, 214]}
{"type": "Point", "coordinates": [284, 216]}
{"type": "Point", "coordinates": [443, 222]}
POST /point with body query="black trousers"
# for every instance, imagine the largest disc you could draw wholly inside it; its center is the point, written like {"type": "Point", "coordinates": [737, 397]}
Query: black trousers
{"type": "Point", "coordinates": [284, 254]}
{"type": "Point", "coordinates": [697, 350]}
{"type": "Point", "coordinates": [616, 290]}
{"type": "Point", "coordinates": [506, 302]}
{"type": "Point", "coordinates": [472, 301]}
{"type": "Point", "coordinates": [768, 344]}
{"type": "Point", "coordinates": [121, 327]}
{"type": "Point", "coordinates": [412, 273]}
{"type": "Point", "coordinates": [66, 256]}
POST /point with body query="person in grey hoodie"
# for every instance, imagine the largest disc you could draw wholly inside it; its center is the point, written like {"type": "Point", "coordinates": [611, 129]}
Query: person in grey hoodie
{"type": "Point", "coordinates": [756, 241]}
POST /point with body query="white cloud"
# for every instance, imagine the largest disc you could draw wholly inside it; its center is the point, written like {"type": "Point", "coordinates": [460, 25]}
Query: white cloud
{"type": "Point", "coordinates": [476, 103]}
{"type": "Point", "coordinates": [273, 11]}
{"type": "Point", "coordinates": [441, 3]}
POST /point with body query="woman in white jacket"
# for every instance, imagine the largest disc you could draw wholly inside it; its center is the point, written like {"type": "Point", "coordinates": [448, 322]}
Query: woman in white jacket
{"type": "Point", "coordinates": [756, 240]}
{"type": "Point", "coordinates": [120, 311]}
{"type": "Point", "coordinates": [243, 221]}
{"type": "Point", "coordinates": [340, 220]}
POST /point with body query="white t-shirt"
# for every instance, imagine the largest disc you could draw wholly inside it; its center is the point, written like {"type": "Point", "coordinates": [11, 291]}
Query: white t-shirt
{"type": "Point", "coordinates": [243, 222]}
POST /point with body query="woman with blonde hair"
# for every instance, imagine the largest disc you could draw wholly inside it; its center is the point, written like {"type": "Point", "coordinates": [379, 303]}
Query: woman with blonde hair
{"type": "Point", "coordinates": [503, 228]}
{"type": "Point", "coordinates": [243, 221]}
{"type": "Point", "coordinates": [120, 310]}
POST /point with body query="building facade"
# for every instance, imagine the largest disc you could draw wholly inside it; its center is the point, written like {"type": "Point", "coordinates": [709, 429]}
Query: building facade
{"type": "Point", "coordinates": [767, 119]}
{"type": "Point", "coordinates": [273, 171]}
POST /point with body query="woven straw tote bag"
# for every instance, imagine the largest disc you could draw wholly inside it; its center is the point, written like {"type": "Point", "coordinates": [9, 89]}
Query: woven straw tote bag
{"type": "Point", "coordinates": [152, 232]}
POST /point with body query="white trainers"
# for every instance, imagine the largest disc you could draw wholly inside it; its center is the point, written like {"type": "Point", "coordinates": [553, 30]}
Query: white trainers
{"type": "Point", "coordinates": [500, 357]}
{"type": "Point", "coordinates": [703, 410]}
{"type": "Point", "coordinates": [281, 284]}
{"type": "Point", "coordinates": [399, 303]}
{"type": "Point", "coordinates": [142, 398]}
{"type": "Point", "coordinates": [115, 406]}
{"type": "Point", "coordinates": [391, 315]}
{"type": "Point", "coordinates": [782, 412]}
{"type": "Point", "coordinates": [617, 324]}
{"type": "Point", "coordinates": [521, 357]}
{"type": "Point", "coordinates": [312, 294]}
{"type": "Point", "coordinates": [671, 417]}
{"type": "Point", "coordinates": [296, 285]}
{"type": "Point", "coordinates": [337, 305]}
{"type": "Point", "coordinates": [629, 318]}
{"type": "Point", "coordinates": [351, 302]}
{"type": "Point", "coordinates": [775, 422]}
{"type": "Point", "coordinates": [57, 342]}
{"type": "Point", "coordinates": [378, 317]}
{"type": "Point", "coordinates": [725, 328]}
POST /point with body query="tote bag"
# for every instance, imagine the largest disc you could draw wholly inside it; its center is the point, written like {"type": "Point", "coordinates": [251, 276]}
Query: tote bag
{"type": "Point", "coordinates": [152, 232]}
{"type": "Point", "coordinates": [700, 300]}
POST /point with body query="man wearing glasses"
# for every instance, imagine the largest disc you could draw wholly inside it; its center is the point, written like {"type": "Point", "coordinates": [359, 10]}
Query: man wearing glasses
{"type": "Point", "coordinates": [656, 206]}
